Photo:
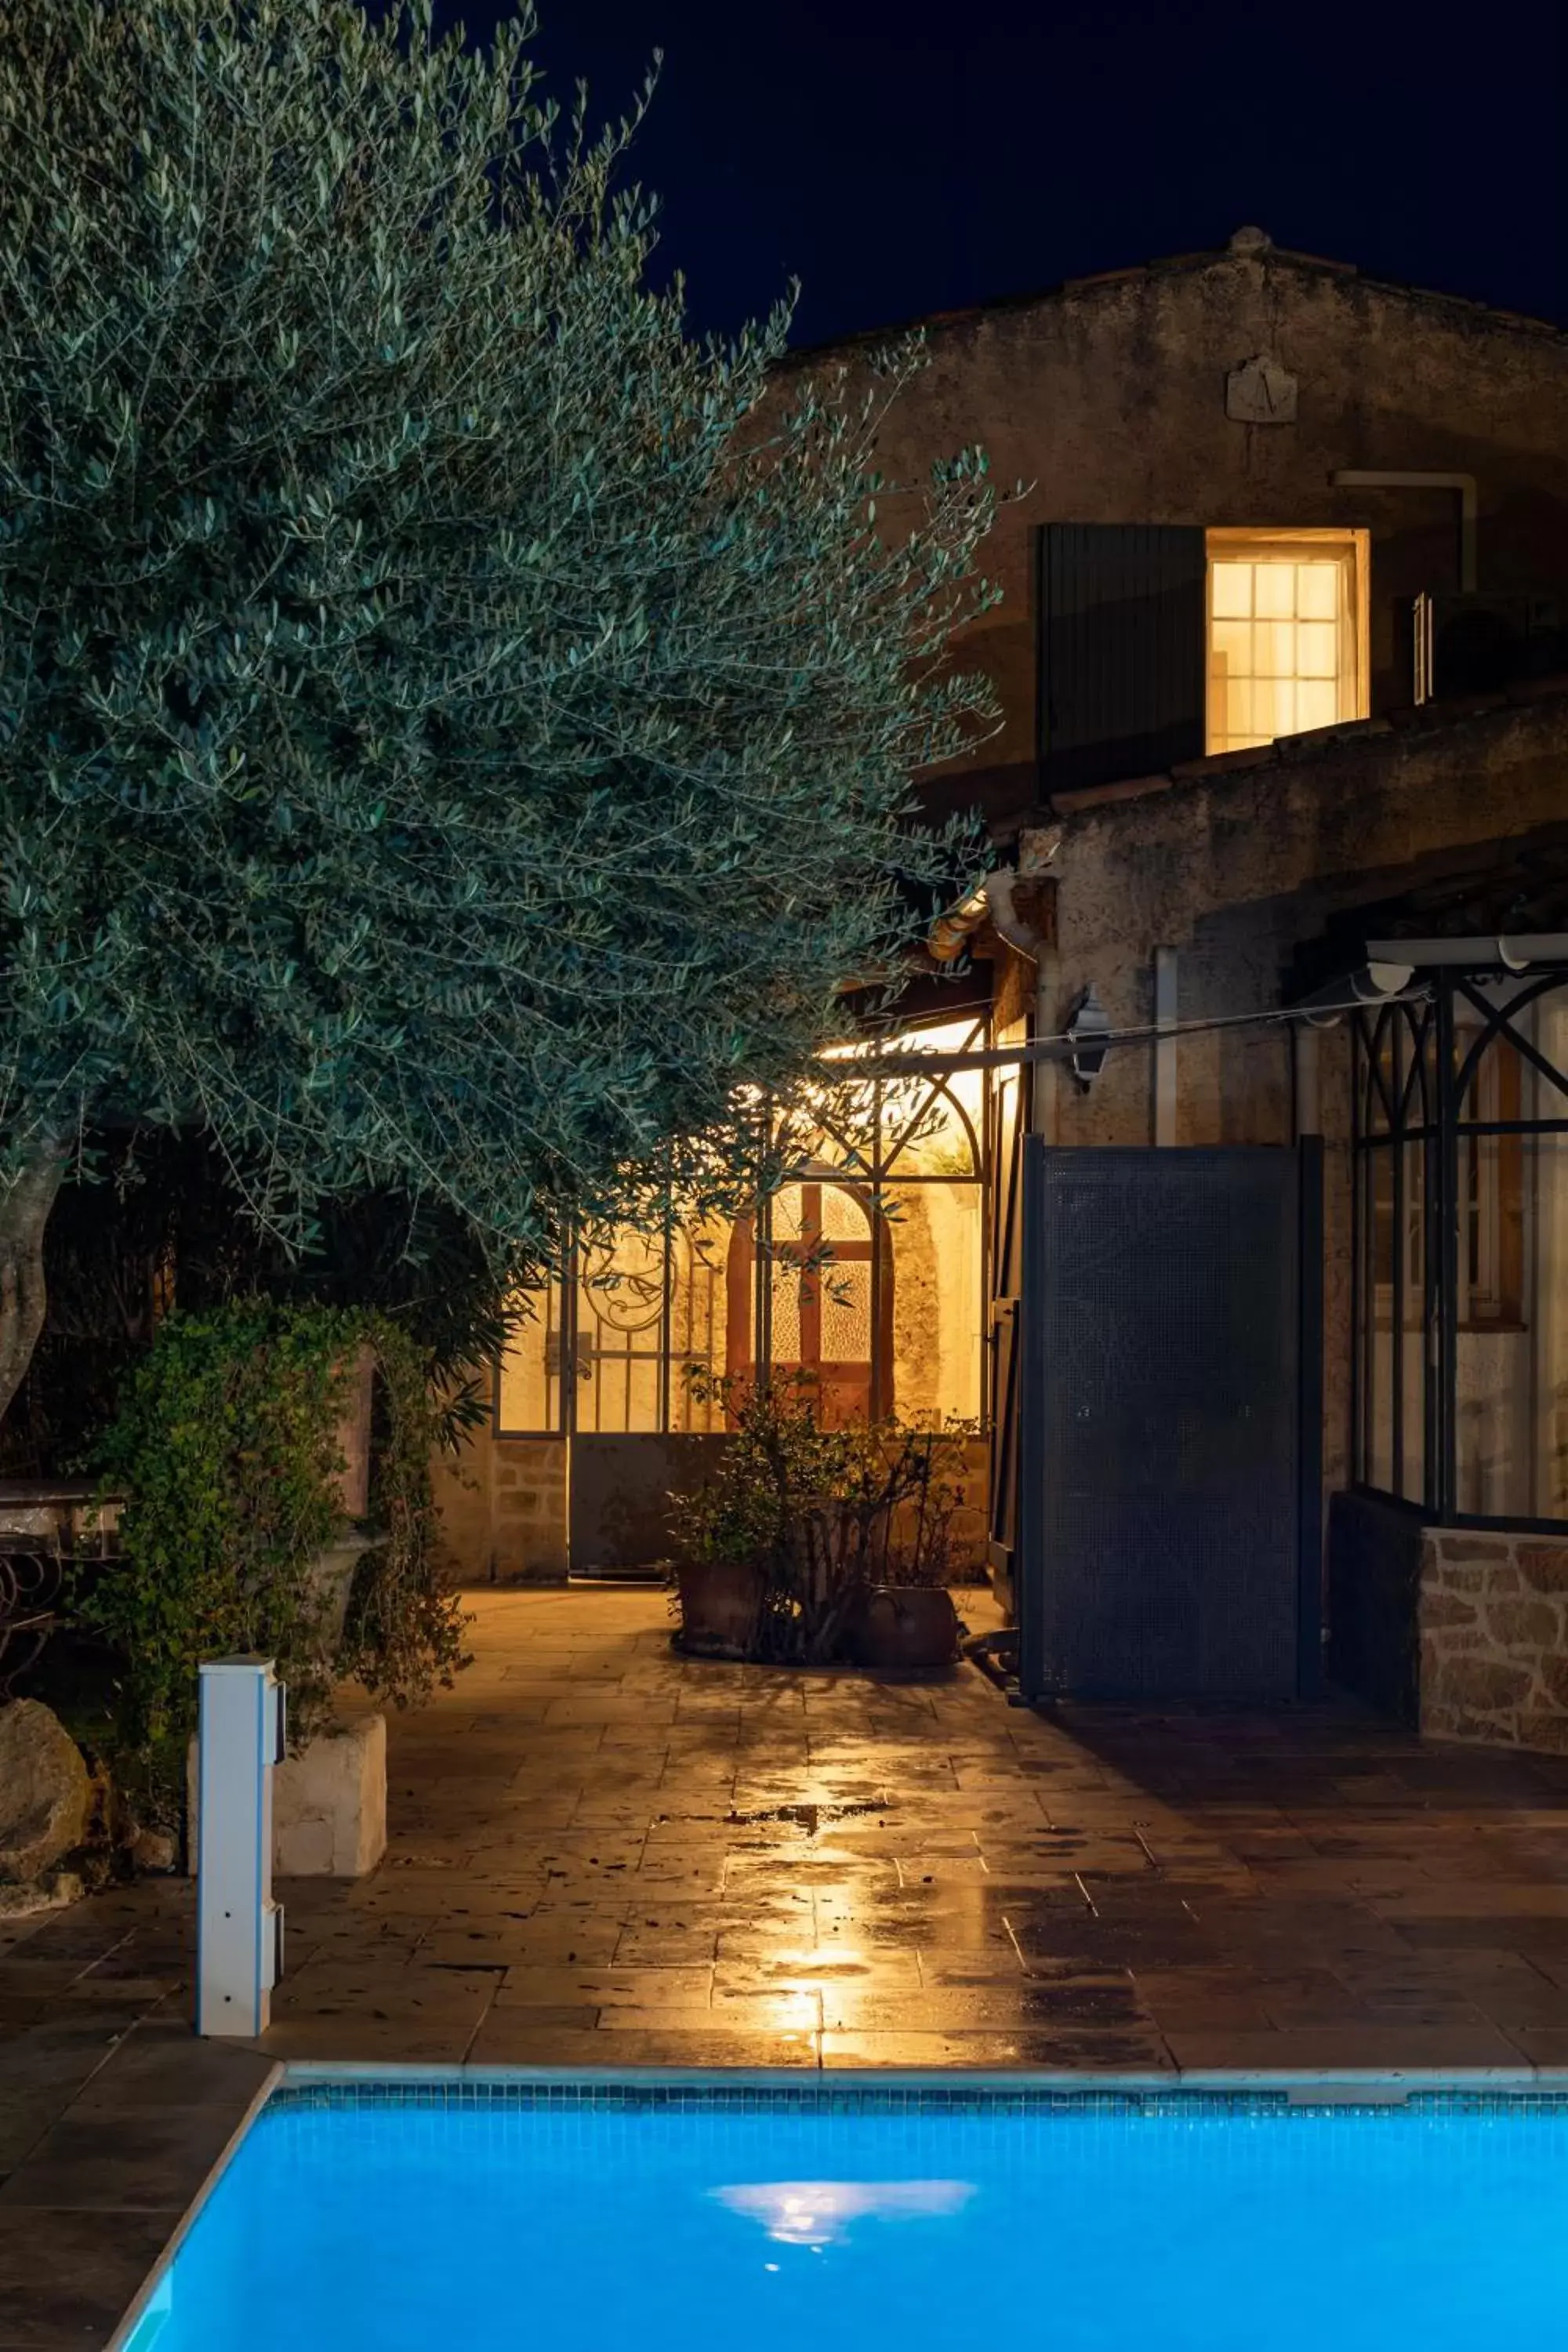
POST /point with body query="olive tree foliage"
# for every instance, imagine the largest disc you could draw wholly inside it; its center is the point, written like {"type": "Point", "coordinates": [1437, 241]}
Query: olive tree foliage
{"type": "Point", "coordinates": [456, 725]}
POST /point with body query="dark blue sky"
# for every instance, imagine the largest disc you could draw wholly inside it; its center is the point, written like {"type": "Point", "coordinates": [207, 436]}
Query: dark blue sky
{"type": "Point", "coordinates": [902, 156]}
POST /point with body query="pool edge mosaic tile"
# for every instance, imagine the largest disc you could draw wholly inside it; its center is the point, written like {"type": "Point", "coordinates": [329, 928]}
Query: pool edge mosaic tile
{"type": "Point", "coordinates": [871, 2099]}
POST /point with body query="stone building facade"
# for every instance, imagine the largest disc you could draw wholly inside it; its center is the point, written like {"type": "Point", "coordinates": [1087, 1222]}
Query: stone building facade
{"type": "Point", "coordinates": [1280, 658]}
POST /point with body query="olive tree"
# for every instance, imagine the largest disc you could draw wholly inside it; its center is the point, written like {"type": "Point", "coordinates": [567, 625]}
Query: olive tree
{"type": "Point", "coordinates": [456, 725]}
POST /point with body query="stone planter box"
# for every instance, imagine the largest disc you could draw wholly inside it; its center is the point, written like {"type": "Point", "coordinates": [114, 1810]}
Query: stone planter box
{"type": "Point", "coordinates": [328, 1803]}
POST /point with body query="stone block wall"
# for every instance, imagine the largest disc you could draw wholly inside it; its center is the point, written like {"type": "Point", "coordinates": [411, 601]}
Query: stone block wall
{"type": "Point", "coordinates": [503, 1509]}
{"type": "Point", "coordinates": [1494, 1638]}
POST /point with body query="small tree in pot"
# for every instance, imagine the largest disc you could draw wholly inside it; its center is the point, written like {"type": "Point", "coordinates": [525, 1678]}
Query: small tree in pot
{"type": "Point", "coordinates": [790, 1549]}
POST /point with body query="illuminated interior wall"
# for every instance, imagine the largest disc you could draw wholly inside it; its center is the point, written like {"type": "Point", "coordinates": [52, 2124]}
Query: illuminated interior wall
{"type": "Point", "coordinates": [1286, 634]}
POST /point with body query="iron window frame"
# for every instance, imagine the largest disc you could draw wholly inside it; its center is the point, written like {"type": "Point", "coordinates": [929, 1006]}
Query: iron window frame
{"type": "Point", "coordinates": [1428, 1081]}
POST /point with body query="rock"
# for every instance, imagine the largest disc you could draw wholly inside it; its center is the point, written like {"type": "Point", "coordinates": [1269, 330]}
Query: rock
{"type": "Point", "coordinates": [45, 1791]}
{"type": "Point", "coordinates": [153, 1849]}
{"type": "Point", "coordinates": [60, 1888]}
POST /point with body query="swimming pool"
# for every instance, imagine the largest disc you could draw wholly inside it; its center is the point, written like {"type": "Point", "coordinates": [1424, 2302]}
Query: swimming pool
{"type": "Point", "coordinates": [449, 2216]}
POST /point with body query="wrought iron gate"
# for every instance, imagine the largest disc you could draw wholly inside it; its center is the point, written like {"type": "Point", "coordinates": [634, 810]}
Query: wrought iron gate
{"type": "Point", "coordinates": [1169, 1429]}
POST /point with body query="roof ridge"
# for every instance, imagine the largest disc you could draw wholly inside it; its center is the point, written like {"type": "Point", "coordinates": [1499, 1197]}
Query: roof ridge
{"type": "Point", "coordinates": [1247, 246]}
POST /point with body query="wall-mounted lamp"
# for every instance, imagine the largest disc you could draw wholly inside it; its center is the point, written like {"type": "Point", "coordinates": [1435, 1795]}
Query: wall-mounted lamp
{"type": "Point", "coordinates": [1089, 1032]}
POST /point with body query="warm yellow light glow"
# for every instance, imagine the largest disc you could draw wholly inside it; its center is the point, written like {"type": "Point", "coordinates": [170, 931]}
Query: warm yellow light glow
{"type": "Point", "coordinates": [1286, 624]}
{"type": "Point", "coordinates": [865, 1267]}
{"type": "Point", "coordinates": [530, 1396]}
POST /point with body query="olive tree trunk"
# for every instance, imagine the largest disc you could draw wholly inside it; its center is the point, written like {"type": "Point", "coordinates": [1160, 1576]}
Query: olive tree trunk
{"type": "Point", "coordinates": [26, 1198]}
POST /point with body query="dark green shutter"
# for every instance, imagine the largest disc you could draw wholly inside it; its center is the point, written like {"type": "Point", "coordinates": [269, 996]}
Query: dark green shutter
{"type": "Point", "coordinates": [1122, 611]}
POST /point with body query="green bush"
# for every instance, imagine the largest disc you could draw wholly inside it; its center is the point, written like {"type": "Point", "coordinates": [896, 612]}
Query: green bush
{"type": "Point", "coordinates": [225, 1449]}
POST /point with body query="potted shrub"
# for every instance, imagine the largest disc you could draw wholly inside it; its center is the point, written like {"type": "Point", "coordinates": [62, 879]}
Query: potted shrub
{"type": "Point", "coordinates": [759, 1543]}
{"type": "Point", "coordinates": [809, 1546]}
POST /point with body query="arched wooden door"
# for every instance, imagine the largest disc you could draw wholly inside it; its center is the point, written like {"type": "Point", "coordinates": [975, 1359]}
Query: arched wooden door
{"type": "Point", "coordinates": [830, 1305]}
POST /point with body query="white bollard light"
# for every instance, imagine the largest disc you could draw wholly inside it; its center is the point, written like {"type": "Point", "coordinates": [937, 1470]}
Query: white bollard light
{"type": "Point", "coordinates": [239, 1928]}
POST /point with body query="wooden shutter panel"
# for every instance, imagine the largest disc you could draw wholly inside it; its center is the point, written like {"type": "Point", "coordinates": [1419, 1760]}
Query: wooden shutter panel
{"type": "Point", "coordinates": [1124, 611]}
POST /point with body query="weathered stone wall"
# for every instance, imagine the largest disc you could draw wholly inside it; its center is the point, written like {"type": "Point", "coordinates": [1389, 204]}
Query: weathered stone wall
{"type": "Point", "coordinates": [1107, 396]}
{"type": "Point", "coordinates": [1494, 1638]}
{"type": "Point", "coordinates": [1236, 865]}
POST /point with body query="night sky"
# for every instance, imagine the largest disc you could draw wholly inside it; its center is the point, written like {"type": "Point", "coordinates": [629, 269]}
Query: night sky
{"type": "Point", "coordinates": [906, 156]}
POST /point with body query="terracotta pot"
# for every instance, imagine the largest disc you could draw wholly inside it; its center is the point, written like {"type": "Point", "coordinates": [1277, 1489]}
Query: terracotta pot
{"type": "Point", "coordinates": [907, 1627]}
{"type": "Point", "coordinates": [720, 1609]}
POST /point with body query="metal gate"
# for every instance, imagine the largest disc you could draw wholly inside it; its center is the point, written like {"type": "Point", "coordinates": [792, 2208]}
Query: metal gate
{"type": "Point", "coordinates": [1170, 1434]}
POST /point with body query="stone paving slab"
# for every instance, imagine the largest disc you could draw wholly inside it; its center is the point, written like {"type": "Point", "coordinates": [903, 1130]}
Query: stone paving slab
{"type": "Point", "coordinates": [604, 1856]}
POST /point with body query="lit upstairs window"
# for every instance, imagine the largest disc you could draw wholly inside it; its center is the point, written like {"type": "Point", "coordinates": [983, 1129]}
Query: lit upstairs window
{"type": "Point", "coordinates": [1287, 634]}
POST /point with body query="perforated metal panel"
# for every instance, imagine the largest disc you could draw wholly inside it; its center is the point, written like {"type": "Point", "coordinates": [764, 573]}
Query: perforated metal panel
{"type": "Point", "coordinates": [1161, 1442]}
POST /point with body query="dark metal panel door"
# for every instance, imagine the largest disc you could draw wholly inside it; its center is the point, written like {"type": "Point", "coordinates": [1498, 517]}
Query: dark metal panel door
{"type": "Point", "coordinates": [1122, 670]}
{"type": "Point", "coordinates": [1170, 1392]}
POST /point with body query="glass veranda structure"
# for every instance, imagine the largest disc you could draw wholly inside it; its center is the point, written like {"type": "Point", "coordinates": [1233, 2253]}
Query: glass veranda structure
{"type": "Point", "coordinates": [866, 1270]}
{"type": "Point", "coordinates": [1461, 1247]}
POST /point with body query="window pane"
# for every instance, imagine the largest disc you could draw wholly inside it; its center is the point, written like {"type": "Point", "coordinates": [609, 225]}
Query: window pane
{"type": "Point", "coordinates": [1512, 1398]}
{"type": "Point", "coordinates": [1317, 650]}
{"type": "Point", "coordinates": [840, 1217]}
{"type": "Point", "coordinates": [784, 1297]}
{"type": "Point", "coordinates": [1232, 591]}
{"type": "Point", "coordinates": [932, 1126]}
{"type": "Point", "coordinates": [1231, 641]}
{"type": "Point", "coordinates": [1274, 590]}
{"type": "Point", "coordinates": [1549, 1364]}
{"type": "Point", "coordinates": [1295, 663]}
{"type": "Point", "coordinates": [1318, 591]}
{"type": "Point", "coordinates": [1274, 649]}
{"type": "Point", "coordinates": [1413, 1381]}
{"type": "Point", "coordinates": [844, 1307]}
{"type": "Point", "coordinates": [819, 1292]}
{"type": "Point", "coordinates": [707, 1295]}
{"type": "Point", "coordinates": [932, 1240]}
{"type": "Point", "coordinates": [620, 1330]}
{"type": "Point", "coordinates": [530, 1396]}
{"type": "Point", "coordinates": [1378, 1313]}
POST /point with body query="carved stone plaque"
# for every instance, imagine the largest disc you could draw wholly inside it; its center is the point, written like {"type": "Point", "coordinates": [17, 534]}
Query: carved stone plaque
{"type": "Point", "coordinates": [1261, 391]}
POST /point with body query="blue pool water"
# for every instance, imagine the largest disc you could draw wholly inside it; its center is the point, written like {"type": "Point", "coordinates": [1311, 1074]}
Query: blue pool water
{"type": "Point", "coordinates": [384, 2226]}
